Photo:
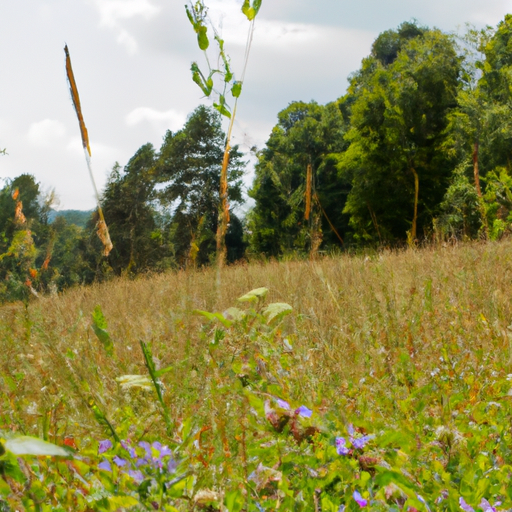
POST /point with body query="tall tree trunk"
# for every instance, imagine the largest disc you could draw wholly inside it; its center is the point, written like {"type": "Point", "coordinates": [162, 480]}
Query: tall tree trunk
{"type": "Point", "coordinates": [416, 196]}
{"type": "Point", "coordinates": [476, 174]}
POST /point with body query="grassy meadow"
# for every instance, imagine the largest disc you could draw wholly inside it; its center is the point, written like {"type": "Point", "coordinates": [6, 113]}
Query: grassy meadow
{"type": "Point", "coordinates": [386, 387]}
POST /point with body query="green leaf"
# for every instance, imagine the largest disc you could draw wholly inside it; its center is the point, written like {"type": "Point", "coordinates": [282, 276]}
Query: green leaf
{"type": "Point", "coordinates": [202, 38]}
{"type": "Point", "coordinates": [276, 310]}
{"type": "Point", "coordinates": [214, 316]}
{"type": "Point", "coordinates": [9, 466]}
{"type": "Point", "coordinates": [234, 500]}
{"type": "Point", "coordinates": [27, 445]}
{"type": "Point", "coordinates": [99, 326]}
{"type": "Point", "coordinates": [206, 85]}
{"type": "Point", "coordinates": [236, 89]}
{"type": "Point", "coordinates": [254, 295]}
{"type": "Point", "coordinates": [222, 110]}
{"type": "Point", "coordinates": [234, 314]}
{"type": "Point", "coordinates": [163, 371]}
{"type": "Point", "coordinates": [251, 10]}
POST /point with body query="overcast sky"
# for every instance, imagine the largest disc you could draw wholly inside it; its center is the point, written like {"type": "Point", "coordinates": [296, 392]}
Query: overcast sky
{"type": "Point", "coordinates": [131, 60]}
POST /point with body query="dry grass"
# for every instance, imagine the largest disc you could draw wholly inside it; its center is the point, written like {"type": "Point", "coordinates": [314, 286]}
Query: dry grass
{"type": "Point", "coordinates": [386, 318]}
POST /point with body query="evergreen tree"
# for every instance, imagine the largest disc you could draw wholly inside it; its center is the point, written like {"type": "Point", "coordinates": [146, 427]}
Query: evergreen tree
{"type": "Point", "coordinates": [129, 205]}
{"type": "Point", "coordinates": [188, 167]}
{"type": "Point", "coordinates": [299, 198]}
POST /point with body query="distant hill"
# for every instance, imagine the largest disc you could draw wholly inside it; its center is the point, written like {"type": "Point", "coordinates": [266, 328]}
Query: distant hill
{"type": "Point", "coordinates": [78, 217]}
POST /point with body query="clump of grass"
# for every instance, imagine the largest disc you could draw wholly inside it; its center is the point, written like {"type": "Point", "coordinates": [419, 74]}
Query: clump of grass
{"type": "Point", "coordinates": [377, 323]}
{"type": "Point", "coordinates": [409, 351]}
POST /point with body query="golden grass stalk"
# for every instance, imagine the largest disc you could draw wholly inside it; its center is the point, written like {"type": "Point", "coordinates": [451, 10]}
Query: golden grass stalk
{"type": "Point", "coordinates": [101, 226]}
{"type": "Point", "coordinates": [309, 180]}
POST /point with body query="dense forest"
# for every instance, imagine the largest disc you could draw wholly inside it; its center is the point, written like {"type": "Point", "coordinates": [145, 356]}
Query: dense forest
{"type": "Point", "coordinates": [418, 148]}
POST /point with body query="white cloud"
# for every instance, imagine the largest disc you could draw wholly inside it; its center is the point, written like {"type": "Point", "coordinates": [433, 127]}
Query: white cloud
{"type": "Point", "coordinates": [46, 133]}
{"type": "Point", "coordinates": [160, 121]}
{"type": "Point", "coordinates": [114, 12]}
{"type": "Point", "coordinates": [111, 11]}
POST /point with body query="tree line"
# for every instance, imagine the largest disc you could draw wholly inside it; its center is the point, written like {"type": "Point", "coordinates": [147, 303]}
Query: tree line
{"type": "Point", "coordinates": [419, 147]}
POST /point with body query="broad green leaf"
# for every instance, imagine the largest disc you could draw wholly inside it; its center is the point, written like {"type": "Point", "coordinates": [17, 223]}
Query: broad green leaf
{"type": "Point", "coordinates": [254, 295]}
{"type": "Point", "coordinates": [202, 38]}
{"type": "Point", "coordinates": [99, 326]}
{"type": "Point", "coordinates": [234, 314]}
{"type": "Point", "coordinates": [27, 445]}
{"type": "Point", "coordinates": [134, 381]}
{"type": "Point", "coordinates": [236, 89]}
{"type": "Point", "coordinates": [214, 316]}
{"type": "Point", "coordinates": [276, 310]}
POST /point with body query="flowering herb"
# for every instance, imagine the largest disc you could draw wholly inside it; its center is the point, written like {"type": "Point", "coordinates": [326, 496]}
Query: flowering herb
{"type": "Point", "coordinates": [359, 499]}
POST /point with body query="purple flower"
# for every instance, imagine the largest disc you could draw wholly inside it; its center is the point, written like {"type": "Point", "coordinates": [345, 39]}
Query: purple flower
{"type": "Point", "coordinates": [283, 404]}
{"type": "Point", "coordinates": [464, 506]}
{"type": "Point", "coordinates": [104, 446]}
{"type": "Point", "coordinates": [171, 466]}
{"type": "Point", "coordinates": [341, 448]}
{"type": "Point", "coordinates": [304, 411]}
{"type": "Point", "coordinates": [487, 507]}
{"type": "Point", "coordinates": [141, 462]}
{"type": "Point", "coordinates": [129, 449]}
{"type": "Point", "coordinates": [105, 465]}
{"type": "Point", "coordinates": [164, 450]}
{"type": "Point", "coordinates": [359, 442]}
{"type": "Point", "coordinates": [118, 461]}
{"type": "Point", "coordinates": [350, 430]}
{"type": "Point", "coordinates": [359, 499]}
{"type": "Point", "coordinates": [136, 475]}
{"type": "Point", "coordinates": [147, 448]}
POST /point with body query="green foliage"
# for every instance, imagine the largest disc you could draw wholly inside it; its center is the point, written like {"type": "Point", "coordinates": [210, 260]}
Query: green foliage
{"type": "Point", "coordinates": [99, 326]}
{"type": "Point", "coordinates": [398, 117]}
{"type": "Point", "coordinates": [189, 168]}
{"type": "Point", "coordinates": [254, 447]}
{"type": "Point", "coordinates": [460, 215]}
{"type": "Point", "coordinates": [77, 217]}
{"type": "Point", "coordinates": [306, 133]}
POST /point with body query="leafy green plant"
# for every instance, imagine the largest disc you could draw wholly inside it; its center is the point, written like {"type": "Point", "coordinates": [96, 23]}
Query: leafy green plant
{"type": "Point", "coordinates": [197, 13]}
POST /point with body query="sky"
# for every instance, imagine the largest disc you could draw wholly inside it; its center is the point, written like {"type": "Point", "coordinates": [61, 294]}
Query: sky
{"type": "Point", "coordinates": [131, 60]}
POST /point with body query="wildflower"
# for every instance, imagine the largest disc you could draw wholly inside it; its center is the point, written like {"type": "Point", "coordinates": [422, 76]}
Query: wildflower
{"type": "Point", "coordinates": [164, 450]}
{"type": "Point", "coordinates": [304, 411]}
{"type": "Point", "coordinates": [283, 404]}
{"type": "Point", "coordinates": [171, 466]}
{"type": "Point", "coordinates": [484, 505]}
{"type": "Point", "coordinates": [119, 462]}
{"type": "Point", "coordinates": [147, 448]}
{"type": "Point", "coordinates": [105, 465]}
{"type": "Point", "coordinates": [359, 499]}
{"type": "Point", "coordinates": [129, 449]}
{"type": "Point", "coordinates": [136, 475]}
{"type": "Point", "coordinates": [104, 446]}
{"type": "Point", "coordinates": [341, 447]}
{"type": "Point", "coordinates": [359, 442]}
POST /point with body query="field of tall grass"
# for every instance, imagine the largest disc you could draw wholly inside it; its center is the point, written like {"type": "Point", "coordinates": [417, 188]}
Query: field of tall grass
{"type": "Point", "coordinates": [387, 387]}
